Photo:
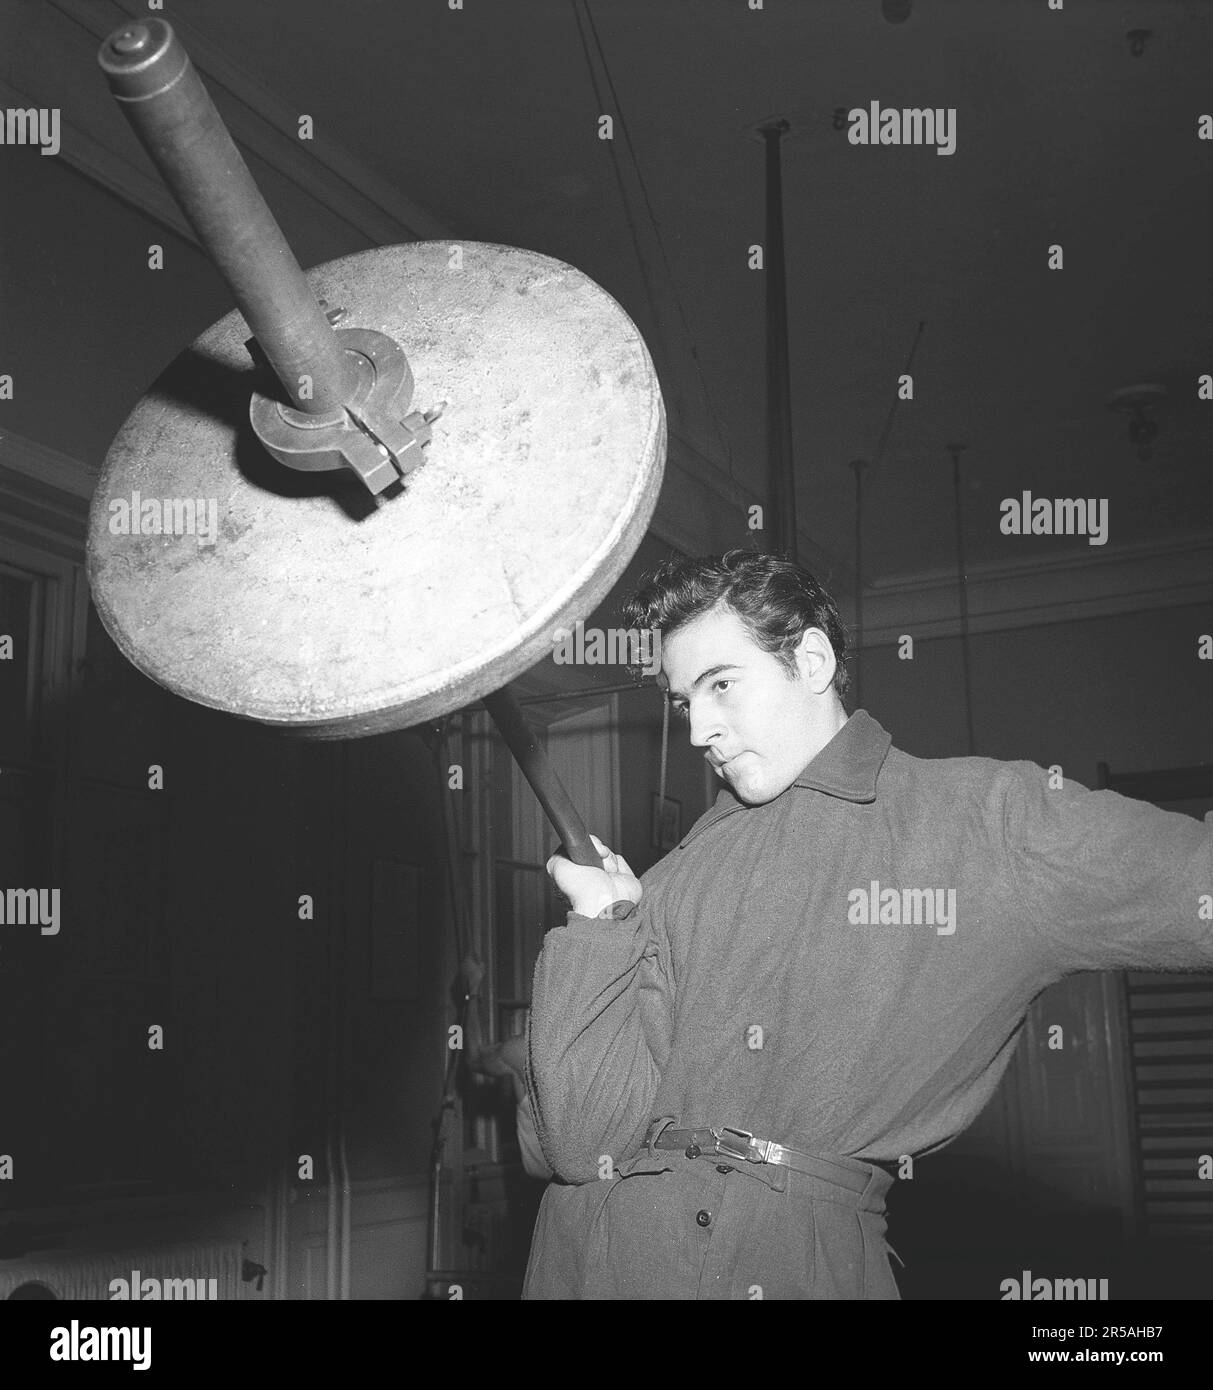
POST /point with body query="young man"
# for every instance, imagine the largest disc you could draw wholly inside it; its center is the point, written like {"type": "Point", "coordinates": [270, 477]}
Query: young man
{"type": "Point", "coordinates": [828, 973]}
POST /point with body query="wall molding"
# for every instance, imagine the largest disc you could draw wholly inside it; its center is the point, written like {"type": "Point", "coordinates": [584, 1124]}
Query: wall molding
{"type": "Point", "coordinates": [44, 501]}
{"type": "Point", "coordinates": [60, 472]}
{"type": "Point", "coordinates": [1074, 586]}
{"type": "Point", "coordinates": [109, 167]}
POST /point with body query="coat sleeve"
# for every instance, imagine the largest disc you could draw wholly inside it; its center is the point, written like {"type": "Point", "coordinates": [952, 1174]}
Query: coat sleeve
{"type": "Point", "coordinates": [1108, 881]}
{"type": "Point", "coordinates": [533, 1162]}
{"type": "Point", "coordinates": [599, 1035]}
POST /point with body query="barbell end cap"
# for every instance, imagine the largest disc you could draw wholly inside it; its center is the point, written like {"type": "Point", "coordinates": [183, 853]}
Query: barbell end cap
{"type": "Point", "coordinates": [142, 59]}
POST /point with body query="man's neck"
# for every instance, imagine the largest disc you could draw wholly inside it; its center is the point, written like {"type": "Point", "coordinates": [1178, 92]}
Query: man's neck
{"type": "Point", "coordinates": [834, 717]}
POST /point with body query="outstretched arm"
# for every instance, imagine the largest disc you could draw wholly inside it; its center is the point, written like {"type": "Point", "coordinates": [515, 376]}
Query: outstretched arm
{"type": "Point", "coordinates": [1111, 883]}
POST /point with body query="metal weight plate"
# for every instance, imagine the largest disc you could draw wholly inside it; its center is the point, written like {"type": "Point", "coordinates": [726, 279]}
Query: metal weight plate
{"type": "Point", "coordinates": [317, 611]}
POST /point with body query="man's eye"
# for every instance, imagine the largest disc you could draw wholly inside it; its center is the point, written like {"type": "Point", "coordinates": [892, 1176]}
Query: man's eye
{"type": "Point", "coordinates": [724, 680]}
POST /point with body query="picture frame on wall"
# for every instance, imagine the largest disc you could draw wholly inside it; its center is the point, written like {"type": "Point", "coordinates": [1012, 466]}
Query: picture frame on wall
{"type": "Point", "coordinates": [666, 822]}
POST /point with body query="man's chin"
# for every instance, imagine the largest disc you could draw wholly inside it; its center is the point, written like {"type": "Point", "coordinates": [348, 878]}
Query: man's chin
{"type": "Point", "coordinates": [752, 792]}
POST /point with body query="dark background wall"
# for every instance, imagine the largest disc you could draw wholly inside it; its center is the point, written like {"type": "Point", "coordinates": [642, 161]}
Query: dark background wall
{"type": "Point", "coordinates": [1126, 690]}
{"type": "Point", "coordinates": [85, 326]}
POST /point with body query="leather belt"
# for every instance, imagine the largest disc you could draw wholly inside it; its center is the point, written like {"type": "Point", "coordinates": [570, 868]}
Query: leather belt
{"type": "Point", "coordinates": [740, 1145]}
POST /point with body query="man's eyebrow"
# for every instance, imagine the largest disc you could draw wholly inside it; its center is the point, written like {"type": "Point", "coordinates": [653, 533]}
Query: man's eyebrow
{"type": "Point", "coordinates": [699, 680]}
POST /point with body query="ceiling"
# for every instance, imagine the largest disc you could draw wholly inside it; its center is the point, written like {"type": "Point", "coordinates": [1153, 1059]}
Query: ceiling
{"type": "Point", "coordinates": [487, 118]}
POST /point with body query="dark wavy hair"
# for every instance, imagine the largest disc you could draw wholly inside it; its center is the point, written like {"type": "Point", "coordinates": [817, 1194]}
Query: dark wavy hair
{"type": "Point", "coordinates": [773, 596]}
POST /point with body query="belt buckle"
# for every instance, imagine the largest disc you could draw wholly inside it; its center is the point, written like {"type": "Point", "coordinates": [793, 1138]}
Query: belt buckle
{"type": "Point", "coordinates": [739, 1147]}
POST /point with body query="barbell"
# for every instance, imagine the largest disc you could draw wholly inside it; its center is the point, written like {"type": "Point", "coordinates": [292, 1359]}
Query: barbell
{"type": "Point", "coordinates": [280, 533]}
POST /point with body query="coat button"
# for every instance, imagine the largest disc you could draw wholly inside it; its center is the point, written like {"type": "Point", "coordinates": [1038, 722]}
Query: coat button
{"type": "Point", "coordinates": [703, 1218]}
{"type": "Point", "coordinates": [724, 1168]}
{"type": "Point", "coordinates": [693, 1150]}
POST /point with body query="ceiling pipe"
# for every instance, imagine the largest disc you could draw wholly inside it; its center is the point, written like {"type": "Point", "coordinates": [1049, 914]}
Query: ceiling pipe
{"type": "Point", "coordinates": [781, 468]}
{"type": "Point", "coordinates": [858, 467]}
{"type": "Point", "coordinates": [962, 578]}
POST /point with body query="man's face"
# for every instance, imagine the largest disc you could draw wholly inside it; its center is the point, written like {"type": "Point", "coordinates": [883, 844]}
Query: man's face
{"type": "Point", "coordinates": [759, 727]}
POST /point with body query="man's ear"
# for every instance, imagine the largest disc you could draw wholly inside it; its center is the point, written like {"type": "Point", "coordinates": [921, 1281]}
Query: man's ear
{"type": "Point", "coordinates": [815, 660]}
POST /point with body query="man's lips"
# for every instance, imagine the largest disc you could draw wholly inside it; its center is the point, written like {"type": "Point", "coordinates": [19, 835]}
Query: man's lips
{"type": "Point", "coordinates": [718, 763]}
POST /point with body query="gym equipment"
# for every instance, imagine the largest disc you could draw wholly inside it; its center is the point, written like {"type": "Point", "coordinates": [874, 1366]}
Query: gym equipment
{"type": "Point", "coordinates": [280, 533]}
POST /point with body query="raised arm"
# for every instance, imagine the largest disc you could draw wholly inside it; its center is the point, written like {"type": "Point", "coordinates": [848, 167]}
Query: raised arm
{"type": "Point", "coordinates": [601, 1022]}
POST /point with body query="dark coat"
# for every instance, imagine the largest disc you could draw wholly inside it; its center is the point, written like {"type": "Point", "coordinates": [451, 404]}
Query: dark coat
{"type": "Point", "coordinates": [844, 970]}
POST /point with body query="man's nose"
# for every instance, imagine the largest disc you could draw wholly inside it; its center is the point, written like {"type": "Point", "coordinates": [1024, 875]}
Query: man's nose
{"type": "Point", "coordinates": [706, 727]}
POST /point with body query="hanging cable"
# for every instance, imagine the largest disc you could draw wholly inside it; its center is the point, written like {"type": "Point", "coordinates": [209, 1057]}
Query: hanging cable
{"type": "Point", "coordinates": [781, 462]}
{"type": "Point", "coordinates": [587, 23]}
{"type": "Point", "coordinates": [453, 832]}
{"type": "Point", "coordinates": [962, 578]}
{"type": "Point", "coordinates": [889, 418]}
{"type": "Point", "coordinates": [858, 466]}
{"type": "Point", "coordinates": [470, 973]}
{"type": "Point", "coordinates": [665, 743]}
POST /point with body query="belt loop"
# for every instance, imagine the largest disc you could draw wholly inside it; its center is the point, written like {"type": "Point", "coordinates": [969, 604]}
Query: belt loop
{"type": "Point", "coordinates": [779, 1177]}
{"type": "Point", "coordinates": [656, 1129]}
{"type": "Point", "coordinates": [879, 1182]}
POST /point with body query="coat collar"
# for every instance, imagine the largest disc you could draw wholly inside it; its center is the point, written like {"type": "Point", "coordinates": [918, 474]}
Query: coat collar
{"type": "Point", "coordinates": [847, 767]}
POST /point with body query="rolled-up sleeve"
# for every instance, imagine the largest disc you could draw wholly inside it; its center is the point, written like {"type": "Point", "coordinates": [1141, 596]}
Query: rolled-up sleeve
{"type": "Point", "coordinates": [599, 1035]}
{"type": "Point", "coordinates": [1108, 881]}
